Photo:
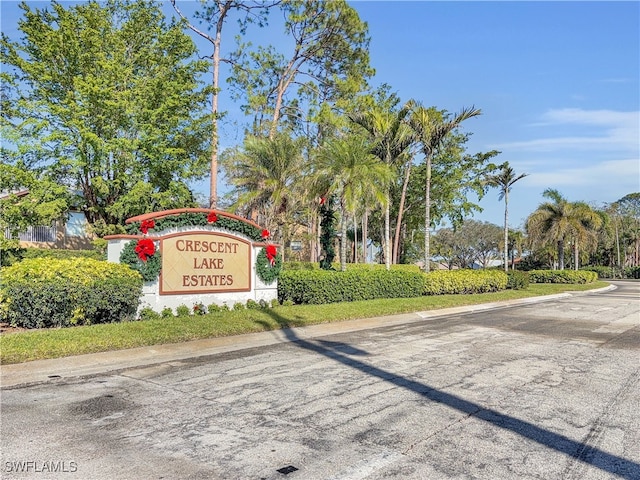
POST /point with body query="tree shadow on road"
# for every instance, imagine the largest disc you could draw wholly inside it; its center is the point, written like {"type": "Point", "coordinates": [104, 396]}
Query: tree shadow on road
{"type": "Point", "coordinates": [580, 451]}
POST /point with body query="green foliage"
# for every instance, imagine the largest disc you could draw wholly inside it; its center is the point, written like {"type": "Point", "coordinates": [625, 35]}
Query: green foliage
{"type": "Point", "coordinates": [464, 281]}
{"type": "Point", "coordinates": [183, 311]}
{"type": "Point", "coordinates": [192, 219]}
{"type": "Point", "coordinates": [199, 309]}
{"type": "Point", "coordinates": [214, 308]}
{"type": "Point", "coordinates": [149, 269]}
{"type": "Point", "coordinates": [299, 265]}
{"type": "Point", "coordinates": [253, 305]}
{"type": "Point", "coordinates": [63, 254]}
{"type": "Point", "coordinates": [238, 306]}
{"type": "Point", "coordinates": [166, 313]}
{"type": "Point", "coordinates": [9, 257]}
{"type": "Point", "coordinates": [562, 276]}
{"type": "Point", "coordinates": [267, 272]}
{"type": "Point", "coordinates": [632, 272]}
{"type": "Point", "coordinates": [327, 233]}
{"type": "Point", "coordinates": [107, 96]}
{"type": "Point", "coordinates": [46, 201]}
{"type": "Point", "coordinates": [517, 280]}
{"type": "Point", "coordinates": [322, 286]}
{"type": "Point", "coordinates": [603, 272]}
{"type": "Point", "coordinates": [40, 292]}
{"type": "Point", "coordinates": [148, 313]}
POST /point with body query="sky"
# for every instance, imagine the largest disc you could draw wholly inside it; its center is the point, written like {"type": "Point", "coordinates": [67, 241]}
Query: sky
{"type": "Point", "coordinates": [557, 83]}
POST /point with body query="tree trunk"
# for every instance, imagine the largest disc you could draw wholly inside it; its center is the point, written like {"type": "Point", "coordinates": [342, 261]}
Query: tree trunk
{"type": "Point", "coordinates": [427, 215]}
{"type": "Point", "coordinates": [355, 237]}
{"type": "Point", "coordinates": [343, 238]}
{"type": "Point", "coordinates": [561, 254]}
{"type": "Point", "coordinates": [506, 230]}
{"type": "Point", "coordinates": [213, 182]}
{"type": "Point", "coordinates": [387, 234]}
{"type": "Point", "coordinates": [365, 234]}
{"type": "Point", "coordinates": [396, 240]}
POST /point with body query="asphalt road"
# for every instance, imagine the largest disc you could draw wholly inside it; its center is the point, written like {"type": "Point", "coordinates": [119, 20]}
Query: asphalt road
{"type": "Point", "coordinates": [535, 391]}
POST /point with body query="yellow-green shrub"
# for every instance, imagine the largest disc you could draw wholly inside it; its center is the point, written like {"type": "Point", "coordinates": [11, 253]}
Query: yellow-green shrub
{"type": "Point", "coordinates": [562, 276]}
{"type": "Point", "coordinates": [441, 282]}
{"type": "Point", "coordinates": [51, 292]}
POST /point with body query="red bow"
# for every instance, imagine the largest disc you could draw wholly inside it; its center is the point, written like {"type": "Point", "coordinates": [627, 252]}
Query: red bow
{"type": "Point", "coordinates": [265, 234]}
{"type": "Point", "coordinates": [146, 225]}
{"type": "Point", "coordinates": [145, 249]}
{"type": "Point", "coordinates": [212, 218]}
{"type": "Point", "coordinates": [271, 254]}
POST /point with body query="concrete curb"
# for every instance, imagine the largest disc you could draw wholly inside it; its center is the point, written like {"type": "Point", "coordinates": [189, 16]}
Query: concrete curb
{"type": "Point", "coordinates": [39, 371]}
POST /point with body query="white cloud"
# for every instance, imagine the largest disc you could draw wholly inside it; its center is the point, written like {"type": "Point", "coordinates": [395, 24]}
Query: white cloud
{"type": "Point", "coordinates": [607, 130]}
{"type": "Point", "coordinates": [614, 174]}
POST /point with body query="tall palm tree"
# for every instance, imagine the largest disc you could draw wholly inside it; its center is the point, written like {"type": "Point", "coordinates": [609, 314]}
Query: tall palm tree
{"type": "Point", "coordinates": [431, 129]}
{"type": "Point", "coordinates": [390, 137]}
{"type": "Point", "coordinates": [264, 175]}
{"type": "Point", "coordinates": [504, 180]}
{"type": "Point", "coordinates": [345, 166]}
{"type": "Point", "coordinates": [560, 221]}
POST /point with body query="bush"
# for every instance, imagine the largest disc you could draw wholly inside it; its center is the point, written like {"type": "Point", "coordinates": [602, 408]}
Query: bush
{"type": "Point", "coordinates": [12, 256]}
{"type": "Point", "coordinates": [199, 309]}
{"type": "Point", "coordinates": [238, 306]}
{"type": "Point", "coordinates": [632, 272]}
{"type": "Point", "coordinates": [323, 286]}
{"type": "Point", "coordinates": [183, 311]}
{"type": "Point", "coordinates": [562, 276]}
{"type": "Point", "coordinates": [517, 280]}
{"type": "Point", "coordinates": [214, 307]}
{"type": "Point", "coordinates": [48, 292]}
{"type": "Point", "coordinates": [253, 305]}
{"type": "Point", "coordinates": [166, 313]}
{"type": "Point", "coordinates": [603, 272]}
{"type": "Point", "coordinates": [443, 282]}
{"type": "Point", "coordinates": [148, 313]}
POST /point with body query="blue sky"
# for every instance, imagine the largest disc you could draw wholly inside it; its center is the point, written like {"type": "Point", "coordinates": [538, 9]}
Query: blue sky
{"type": "Point", "coordinates": [557, 82]}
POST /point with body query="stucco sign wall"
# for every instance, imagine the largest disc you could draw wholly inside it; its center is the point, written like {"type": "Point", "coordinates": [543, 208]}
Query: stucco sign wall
{"type": "Point", "coordinates": [204, 263]}
{"type": "Point", "coordinates": [197, 256]}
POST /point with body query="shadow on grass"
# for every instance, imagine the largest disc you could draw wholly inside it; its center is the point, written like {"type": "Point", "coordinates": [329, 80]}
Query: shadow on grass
{"type": "Point", "coordinates": [580, 451]}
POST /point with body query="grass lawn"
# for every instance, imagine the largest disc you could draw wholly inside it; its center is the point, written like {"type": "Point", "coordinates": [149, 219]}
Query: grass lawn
{"type": "Point", "coordinates": [53, 343]}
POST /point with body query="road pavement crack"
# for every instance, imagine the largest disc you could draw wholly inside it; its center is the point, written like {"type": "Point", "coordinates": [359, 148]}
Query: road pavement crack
{"type": "Point", "coordinates": [583, 457]}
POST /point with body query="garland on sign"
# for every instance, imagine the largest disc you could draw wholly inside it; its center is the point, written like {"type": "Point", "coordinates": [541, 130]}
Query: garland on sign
{"type": "Point", "coordinates": [268, 264]}
{"type": "Point", "coordinates": [198, 220]}
{"type": "Point", "coordinates": [142, 256]}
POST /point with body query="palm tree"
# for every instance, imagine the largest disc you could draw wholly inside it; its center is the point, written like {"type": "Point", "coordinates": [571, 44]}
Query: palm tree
{"type": "Point", "coordinates": [516, 241]}
{"type": "Point", "coordinates": [587, 222]}
{"type": "Point", "coordinates": [264, 175]}
{"type": "Point", "coordinates": [560, 221]}
{"type": "Point", "coordinates": [390, 137]}
{"type": "Point", "coordinates": [431, 129]}
{"type": "Point", "coordinates": [504, 180]}
{"type": "Point", "coordinates": [345, 166]}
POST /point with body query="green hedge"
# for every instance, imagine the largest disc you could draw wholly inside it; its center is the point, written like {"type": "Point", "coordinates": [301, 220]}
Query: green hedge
{"type": "Point", "coordinates": [562, 276]}
{"type": "Point", "coordinates": [322, 286]}
{"type": "Point", "coordinates": [632, 272]}
{"type": "Point", "coordinates": [518, 280]}
{"type": "Point", "coordinates": [46, 292]}
{"type": "Point", "coordinates": [443, 282]}
{"type": "Point", "coordinates": [603, 272]}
